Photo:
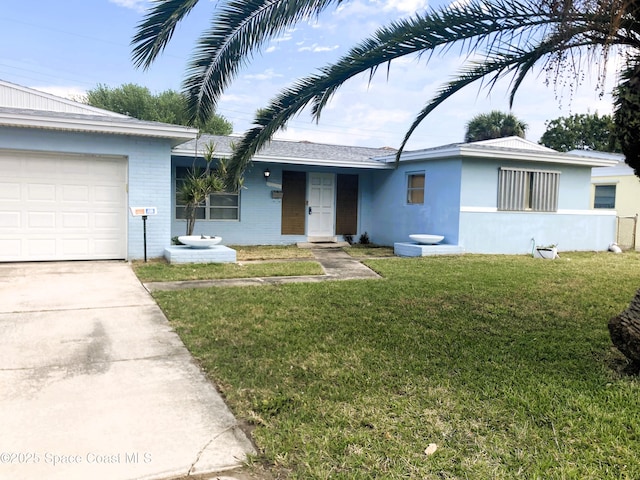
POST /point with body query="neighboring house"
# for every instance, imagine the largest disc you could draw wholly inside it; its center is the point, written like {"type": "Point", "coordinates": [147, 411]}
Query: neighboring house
{"type": "Point", "coordinates": [617, 188]}
{"type": "Point", "coordinates": [494, 196]}
{"type": "Point", "coordinates": [69, 173]}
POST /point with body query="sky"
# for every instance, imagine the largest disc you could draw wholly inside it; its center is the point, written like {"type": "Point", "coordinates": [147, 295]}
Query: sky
{"type": "Point", "coordinates": [68, 47]}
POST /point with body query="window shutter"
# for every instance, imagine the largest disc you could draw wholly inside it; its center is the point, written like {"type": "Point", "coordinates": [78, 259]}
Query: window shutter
{"type": "Point", "coordinates": [545, 191]}
{"type": "Point", "coordinates": [512, 190]}
{"type": "Point", "coordinates": [520, 190]}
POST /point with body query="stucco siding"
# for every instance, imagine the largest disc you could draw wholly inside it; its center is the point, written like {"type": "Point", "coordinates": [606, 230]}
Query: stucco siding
{"type": "Point", "coordinates": [395, 219]}
{"type": "Point", "coordinates": [480, 183]}
{"type": "Point", "coordinates": [149, 178]}
{"type": "Point", "coordinates": [627, 193]}
{"type": "Point", "coordinates": [260, 215]}
{"type": "Point", "coordinates": [517, 232]}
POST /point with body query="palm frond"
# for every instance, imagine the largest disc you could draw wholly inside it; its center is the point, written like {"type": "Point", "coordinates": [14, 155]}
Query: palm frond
{"type": "Point", "coordinates": [239, 30]}
{"type": "Point", "coordinates": [156, 29]}
{"type": "Point", "coordinates": [494, 30]}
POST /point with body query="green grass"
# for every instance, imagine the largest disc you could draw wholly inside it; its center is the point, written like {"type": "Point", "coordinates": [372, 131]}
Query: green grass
{"type": "Point", "coordinates": [504, 362]}
{"type": "Point", "coordinates": [163, 272]}
{"type": "Point", "coordinates": [369, 251]}
{"type": "Point", "coordinates": [270, 252]}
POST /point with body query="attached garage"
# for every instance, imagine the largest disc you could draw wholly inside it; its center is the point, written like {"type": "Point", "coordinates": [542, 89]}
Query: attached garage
{"type": "Point", "coordinates": [62, 207]}
{"type": "Point", "coordinates": [69, 173]}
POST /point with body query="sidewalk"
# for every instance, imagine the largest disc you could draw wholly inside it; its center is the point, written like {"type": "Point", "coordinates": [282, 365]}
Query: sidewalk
{"type": "Point", "coordinates": [336, 263]}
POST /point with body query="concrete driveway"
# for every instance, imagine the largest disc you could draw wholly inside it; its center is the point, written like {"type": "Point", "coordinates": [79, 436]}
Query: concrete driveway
{"type": "Point", "coordinates": [95, 384]}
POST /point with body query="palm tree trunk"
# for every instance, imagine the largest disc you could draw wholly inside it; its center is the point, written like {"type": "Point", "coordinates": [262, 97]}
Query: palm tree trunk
{"type": "Point", "coordinates": [625, 328]}
{"type": "Point", "coordinates": [190, 216]}
{"type": "Point", "coordinates": [625, 332]}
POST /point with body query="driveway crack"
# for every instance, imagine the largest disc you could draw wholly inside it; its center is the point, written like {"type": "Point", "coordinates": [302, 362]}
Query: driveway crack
{"type": "Point", "coordinates": [202, 450]}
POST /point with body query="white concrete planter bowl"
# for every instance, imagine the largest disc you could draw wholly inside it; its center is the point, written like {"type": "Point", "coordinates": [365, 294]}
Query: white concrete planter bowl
{"type": "Point", "coordinates": [426, 239]}
{"type": "Point", "coordinates": [199, 241]}
{"type": "Point", "coordinates": [548, 253]}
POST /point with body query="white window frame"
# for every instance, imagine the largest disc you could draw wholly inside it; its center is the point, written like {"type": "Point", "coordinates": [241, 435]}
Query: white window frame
{"type": "Point", "coordinates": [411, 189]}
{"type": "Point", "coordinates": [204, 212]}
{"type": "Point", "coordinates": [523, 190]}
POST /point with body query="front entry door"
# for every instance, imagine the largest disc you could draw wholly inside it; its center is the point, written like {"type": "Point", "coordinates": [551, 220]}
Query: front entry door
{"type": "Point", "coordinates": [321, 207]}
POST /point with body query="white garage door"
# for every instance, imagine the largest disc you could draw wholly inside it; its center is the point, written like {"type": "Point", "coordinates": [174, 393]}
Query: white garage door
{"type": "Point", "coordinates": [62, 207]}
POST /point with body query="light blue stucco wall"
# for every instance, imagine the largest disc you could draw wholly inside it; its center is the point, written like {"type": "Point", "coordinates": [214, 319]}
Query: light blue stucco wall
{"type": "Point", "coordinates": [480, 182]}
{"type": "Point", "coordinates": [260, 215]}
{"type": "Point", "coordinates": [453, 186]}
{"type": "Point", "coordinates": [573, 227]}
{"type": "Point", "coordinates": [149, 175]}
{"type": "Point", "coordinates": [517, 232]}
{"type": "Point", "coordinates": [394, 219]}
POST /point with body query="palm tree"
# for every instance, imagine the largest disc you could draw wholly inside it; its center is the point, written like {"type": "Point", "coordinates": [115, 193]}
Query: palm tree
{"type": "Point", "coordinates": [495, 124]}
{"type": "Point", "coordinates": [510, 37]}
{"type": "Point", "coordinates": [194, 189]}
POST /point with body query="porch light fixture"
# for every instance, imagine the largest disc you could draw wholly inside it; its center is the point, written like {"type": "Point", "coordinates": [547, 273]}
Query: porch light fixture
{"type": "Point", "coordinates": [267, 174]}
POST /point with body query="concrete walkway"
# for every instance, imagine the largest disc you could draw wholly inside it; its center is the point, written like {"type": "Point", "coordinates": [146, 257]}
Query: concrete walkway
{"type": "Point", "coordinates": [94, 383]}
{"type": "Point", "coordinates": [336, 263]}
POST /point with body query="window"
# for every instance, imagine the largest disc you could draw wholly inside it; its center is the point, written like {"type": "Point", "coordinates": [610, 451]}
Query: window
{"type": "Point", "coordinates": [415, 188]}
{"type": "Point", "coordinates": [605, 196]}
{"type": "Point", "coordinates": [219, 206]}
{"type": "Point", "coordinates": [523, 190]}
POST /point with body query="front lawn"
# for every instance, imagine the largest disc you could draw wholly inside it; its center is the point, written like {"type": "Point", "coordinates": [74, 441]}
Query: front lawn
{"type": "Point", "coordinates": [504, 363]}
{"type": "Point", "coordinates": [164, 272]}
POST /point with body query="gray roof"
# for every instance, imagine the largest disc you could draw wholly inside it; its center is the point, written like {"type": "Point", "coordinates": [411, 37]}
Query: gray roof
{"type": "Point", "coordinates": [28, 108]}
{"type": "Point", "coordinates": [285, 149]}
{"type": "Point", "coordinates": [81, 116]}
{"type": "Point", "coordinates": [95, 123]}
{"type": "Point", "coordinates": [318, 154]}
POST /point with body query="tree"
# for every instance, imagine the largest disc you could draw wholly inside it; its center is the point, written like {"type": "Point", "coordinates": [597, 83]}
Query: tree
{"type": "Point", "coordinates": [500, 37]}
{"type": "Point", "coordinates": [167, 107]}
{"type": "Point", "coordinates": [584, 131]}
{"type": "Point", "coordinates": [495, 124]}
{"type": "Point", "coordinates": [198, 184]}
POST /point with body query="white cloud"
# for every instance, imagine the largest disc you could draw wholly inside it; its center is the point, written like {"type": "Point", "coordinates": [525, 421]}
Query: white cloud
{"type": "Point", "coordinates": [459, 3]}
{"type": "Point", "coordinates": [406, 6]}
{"type": "Point", "coordinates": [315, 48]}
{"type": "Point", "coordinates": [138, 5]}
{"type": "Point", "coordinates": [357, 8]}
{"type": "Point", "coordinates": [268, 74]}
{"type": "Point", "coordinates": [271, 49]}
{"type": "Point", "coordinates": [285, 37]}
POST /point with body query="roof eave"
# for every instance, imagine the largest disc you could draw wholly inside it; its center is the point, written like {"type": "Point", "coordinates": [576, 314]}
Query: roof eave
{"type": "Point", "coordinates": [316, 162]}
{"type": "Point", "coordinates": [467, 151]}
{"type": "Point", "coordinates": [110, 125]}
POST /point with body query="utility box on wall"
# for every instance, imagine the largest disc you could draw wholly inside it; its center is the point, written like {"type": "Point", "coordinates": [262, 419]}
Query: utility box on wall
{"type": "Point", "coordinates": [276, 193]}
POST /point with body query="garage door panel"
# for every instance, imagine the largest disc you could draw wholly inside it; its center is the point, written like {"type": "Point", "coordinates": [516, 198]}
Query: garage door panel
{"type": "Point", "coordinates": [40, 220]}
{"type": "Point", "coordinates": [75, 220]}
{"type": "Point", "coordinates": [40, 248]}
{"type": "Point", "coordinates": [41, 192]}
{"type": "Point", "coordinates": [10, 220]}
{"type": "Point", "coordinates": [110, 169]}
{"type": "Point", "coordinates": [107, 221]}
{"type": "Point", "coordinates": [62, 207]}
{"type": "Point", "coordinates": [107, 194]}
{"type": "Point", "coordinates": [75, 193]}
{"type": "Point", "coordinates": [10, 191]}
{"type": "Point", "coordinates": [105, 247]}
{"type": "Point", "coordinates": [75, 246]}
{"type": "Point", "coordinates": [41, 165]}
{"type": "Point", "coordinates": [10, 247]}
